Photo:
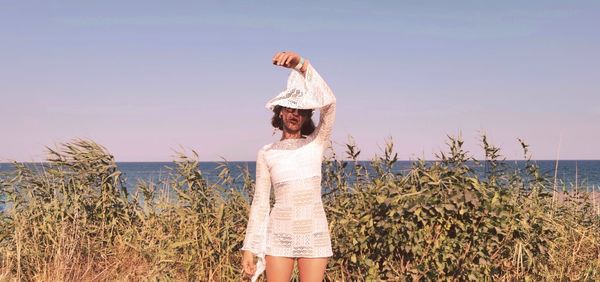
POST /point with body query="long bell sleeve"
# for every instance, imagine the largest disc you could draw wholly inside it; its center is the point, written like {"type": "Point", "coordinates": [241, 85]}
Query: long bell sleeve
{"type": "Point", "coordinates": [256, 231]}
{"type": "Point", "coordinates": [316, 85]}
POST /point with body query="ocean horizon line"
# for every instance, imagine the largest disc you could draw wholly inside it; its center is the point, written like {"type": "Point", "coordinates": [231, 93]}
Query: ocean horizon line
{"type": "Point", "coordinates": [250, 161]}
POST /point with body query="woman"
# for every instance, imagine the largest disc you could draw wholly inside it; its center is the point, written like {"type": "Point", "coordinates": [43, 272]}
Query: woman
{"type": "Point", "coordinates": [297, 227]}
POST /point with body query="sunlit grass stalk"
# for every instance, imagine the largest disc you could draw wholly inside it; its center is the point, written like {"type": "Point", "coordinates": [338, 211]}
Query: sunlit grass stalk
{"type": "Point", "coordinates": [75, 220]}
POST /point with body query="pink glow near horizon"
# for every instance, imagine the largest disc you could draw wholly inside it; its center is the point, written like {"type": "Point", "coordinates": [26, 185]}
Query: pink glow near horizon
{"type": "Point", "coordinates": [146, 82]}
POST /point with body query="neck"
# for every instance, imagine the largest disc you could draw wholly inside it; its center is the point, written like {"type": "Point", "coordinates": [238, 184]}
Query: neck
{"type": "Point", "coordinates": [291, 135]}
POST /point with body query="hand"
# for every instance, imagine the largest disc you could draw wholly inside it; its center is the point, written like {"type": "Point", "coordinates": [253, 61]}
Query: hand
{"type": "Point", "coordinates": [287, 59]}
{"type": "Point", "coordinates": [248, 263]}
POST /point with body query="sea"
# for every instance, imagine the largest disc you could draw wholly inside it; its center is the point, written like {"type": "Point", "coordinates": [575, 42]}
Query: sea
{"type": "Point", "coordinates": [585, 172]}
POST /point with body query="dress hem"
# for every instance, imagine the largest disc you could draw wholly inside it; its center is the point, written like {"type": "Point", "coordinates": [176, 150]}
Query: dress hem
{"type": "Point", "coordinates": [275, 255]}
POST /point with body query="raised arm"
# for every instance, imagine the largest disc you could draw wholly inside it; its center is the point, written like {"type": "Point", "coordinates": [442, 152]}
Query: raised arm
{"type": "Point", "coordinates": [319, 87]}
{"type": "Point", "coordinates": [316, 94]}
{"type": "Point", "coordinates": [256, 231]}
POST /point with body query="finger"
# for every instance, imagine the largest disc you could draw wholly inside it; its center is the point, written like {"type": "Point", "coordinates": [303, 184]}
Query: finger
{"type": "Point", "coordinates": [286, 60]}
{"type": "Point", "coordinates": [278, 58]}
{"type": "Point", "coordinates": [249, 268]}
{"type": "Point", "coordinates": [275, 57]}
{"type": "Point", "coordinates": [289, 60]}
{"type": "Point", "coordinates": [249, 271]}
{"type": "Point", "coordinates": [281, 55]}
{"type": "Point", "coordinates": [283, 58]}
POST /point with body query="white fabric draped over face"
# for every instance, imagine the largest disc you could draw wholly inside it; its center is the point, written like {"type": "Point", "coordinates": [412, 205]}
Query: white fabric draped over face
{"type": "Point", "coordinates": [307, 91]}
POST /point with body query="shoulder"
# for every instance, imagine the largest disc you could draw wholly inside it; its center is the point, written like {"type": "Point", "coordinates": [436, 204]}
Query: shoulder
{"type": "Point", "coordinates": [264, 148]}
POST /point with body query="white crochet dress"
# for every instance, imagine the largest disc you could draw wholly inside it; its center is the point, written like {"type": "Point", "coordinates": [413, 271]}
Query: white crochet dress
{"type": "Point", "coordinates": [297, 225]}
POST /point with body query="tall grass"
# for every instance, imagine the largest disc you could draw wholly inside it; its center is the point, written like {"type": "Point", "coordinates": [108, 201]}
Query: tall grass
{"type": "Point", "coordinates": [75, 220]}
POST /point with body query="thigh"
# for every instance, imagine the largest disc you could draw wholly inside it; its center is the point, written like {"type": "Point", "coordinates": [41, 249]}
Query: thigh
{"type": "Point", "coordinates": [312, 269]}
{"type": "Point", "coordinates": [279, 268]}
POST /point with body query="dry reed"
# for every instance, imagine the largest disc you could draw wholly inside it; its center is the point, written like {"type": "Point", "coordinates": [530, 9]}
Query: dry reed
{"type": "Point", "coordinates": [74, 220]}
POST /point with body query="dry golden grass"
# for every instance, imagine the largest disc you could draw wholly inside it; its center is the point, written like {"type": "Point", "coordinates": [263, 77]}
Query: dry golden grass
{"type": "Point", "coordinates": [75, 221]}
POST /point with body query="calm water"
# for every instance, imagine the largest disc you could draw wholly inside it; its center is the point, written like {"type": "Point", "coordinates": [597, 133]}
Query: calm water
{"type": "Point", "coordinates": [588, 170]}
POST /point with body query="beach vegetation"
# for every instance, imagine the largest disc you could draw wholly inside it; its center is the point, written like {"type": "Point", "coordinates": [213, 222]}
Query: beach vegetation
{"type": "Point", "coordinates": [73, 219]}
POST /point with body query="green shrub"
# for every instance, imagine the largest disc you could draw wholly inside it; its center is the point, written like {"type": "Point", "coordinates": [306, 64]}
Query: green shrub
{"type": "Point", "coordinates": [75, 220]}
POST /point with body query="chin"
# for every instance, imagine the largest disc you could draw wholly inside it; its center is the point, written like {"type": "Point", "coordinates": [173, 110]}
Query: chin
{"type": "Point", "coordinates": [293, 129]}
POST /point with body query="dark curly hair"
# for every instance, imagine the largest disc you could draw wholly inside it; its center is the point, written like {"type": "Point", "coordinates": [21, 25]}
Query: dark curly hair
{"type": "Point", "coordinates": [308, 127]}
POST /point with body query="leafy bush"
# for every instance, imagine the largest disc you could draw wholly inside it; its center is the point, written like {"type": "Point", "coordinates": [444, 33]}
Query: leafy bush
{"type": "Point", "coordinates": [74, 219]}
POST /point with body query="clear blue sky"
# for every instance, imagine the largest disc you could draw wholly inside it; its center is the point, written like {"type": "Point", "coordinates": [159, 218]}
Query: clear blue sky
{"type": "Point", "coordinates": [145, 78]}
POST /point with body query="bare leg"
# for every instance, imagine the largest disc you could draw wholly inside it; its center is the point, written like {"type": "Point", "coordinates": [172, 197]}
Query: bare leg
{"type": "Point", "coordinates": [279, 269]}
{"type": "Point", "coordinates": [312, 269]}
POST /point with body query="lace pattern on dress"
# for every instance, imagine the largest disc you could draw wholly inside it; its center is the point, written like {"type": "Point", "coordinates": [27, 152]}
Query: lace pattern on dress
{"type": "Point", "coordinates": [290, 144]}
{"type": "Point", "coordinates": [297, 225]}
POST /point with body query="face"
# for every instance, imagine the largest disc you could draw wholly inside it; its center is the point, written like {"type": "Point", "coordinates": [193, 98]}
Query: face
{"type": "Point", "coordinates": [293, 119]}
